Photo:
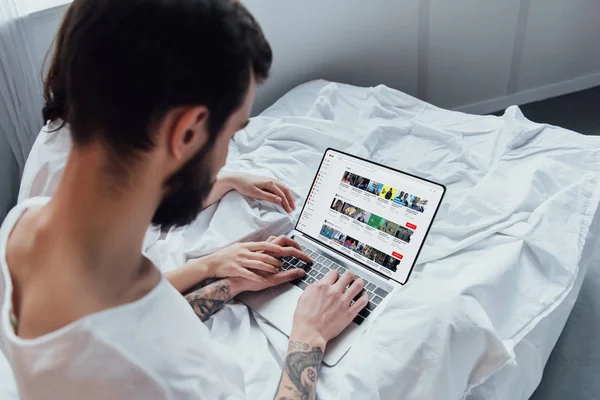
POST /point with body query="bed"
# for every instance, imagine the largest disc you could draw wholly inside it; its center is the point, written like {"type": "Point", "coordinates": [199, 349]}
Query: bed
{"type": "Point", "coordinates": [497, 277]}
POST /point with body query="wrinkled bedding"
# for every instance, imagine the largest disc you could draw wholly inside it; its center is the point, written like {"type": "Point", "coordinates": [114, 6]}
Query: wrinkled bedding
{"type": "Point", "coordinates": [498, 274]}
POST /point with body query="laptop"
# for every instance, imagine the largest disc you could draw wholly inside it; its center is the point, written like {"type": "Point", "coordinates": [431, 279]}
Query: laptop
{"type": "Point", "coordinates": [359, 216]}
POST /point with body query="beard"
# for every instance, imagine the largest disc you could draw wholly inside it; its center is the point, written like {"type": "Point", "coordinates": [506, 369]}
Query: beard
{"type": "Point", "coordinates": [185, 192]}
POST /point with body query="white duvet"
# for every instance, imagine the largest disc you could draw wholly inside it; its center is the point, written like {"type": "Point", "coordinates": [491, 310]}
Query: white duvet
{"type": "Point", "coordinates": [498, 273]}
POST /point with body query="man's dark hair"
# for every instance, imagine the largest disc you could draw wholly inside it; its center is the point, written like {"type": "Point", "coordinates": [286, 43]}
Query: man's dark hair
{"type": "Point", "coordinates": [120, 65]}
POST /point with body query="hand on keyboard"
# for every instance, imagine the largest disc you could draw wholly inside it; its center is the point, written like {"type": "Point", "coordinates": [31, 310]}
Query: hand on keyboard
{"type": "Point", "coordinates": [289, 247]}
{"type": "Point", "coordinates": [239, 285]}
{"type": "Point", "coordinates": [328, 306]}
{"type": "Point", "coordinates": [316, 271]}
{"type": "Point", "coordinates": [251, 261]}
{"type": "Point", "coordinates": [264, 258]}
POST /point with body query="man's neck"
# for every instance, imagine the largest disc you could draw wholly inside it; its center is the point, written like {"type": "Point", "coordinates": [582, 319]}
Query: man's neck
{"type": "Point", "coordinates": [102, 219]}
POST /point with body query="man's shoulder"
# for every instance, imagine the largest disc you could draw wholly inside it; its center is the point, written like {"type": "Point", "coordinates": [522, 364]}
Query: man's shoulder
{"type": "Point", "coordinates": [19, 229]}
{"type": "Point", "coordinates": [16, 234]}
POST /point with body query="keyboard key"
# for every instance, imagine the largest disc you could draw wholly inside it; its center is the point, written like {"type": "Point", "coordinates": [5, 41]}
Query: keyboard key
{"type": "Point", "coordinates": [366, 282]}
{"type": "Point", "coordinates": [317, 266]}
{"type": "Point", "coordinates": [301, 265]}
{"type": "Point", "coordinates": [287, 258]}
{"type": "Point", "coordinates": [303, 248]}
{"type": "Point", "coordinates": [321, 259]}
{"type": "Point", "coordinates": [285, 266]}
{"type": "Point", "coordinates": [380, 292]}
{"type": "Point", "coordinates": [377, 300]}
{"type": "Point", "coordinates": [327, 263]}
{"type": "Point", "coordinates": [313, 273]}
{"type": "Point", "coordinates": [294, 261]}
{"type": "Point", "coordinates": [341, 270]}
{"type": "Point", "coordinates": [325, 270]}
{"type": "Point", "coordinates": [364, 312]}
{"type": "Point", "coordinates": [370, 287]}
{"type": "Point", "coordinates": [371, 295]}
{"type": "Point", "coordinates": [310, 280]}
{"type": "Point", "coordinates": [301, 284]}
{"type": "Point", "coordinates": [358, 320]}
{"type": "Point", "coordinates": [307, 252]}
{"type": "Point", "coordinates": [371, 306]}
{"type": "Point", "coordinates": [320, 276]}
{"type": "Point", "coordinates": [334, 266]}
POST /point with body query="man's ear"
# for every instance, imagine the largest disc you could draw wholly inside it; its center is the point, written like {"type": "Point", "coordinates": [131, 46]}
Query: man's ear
{"type": "Point", "coordinates": [189, 133]}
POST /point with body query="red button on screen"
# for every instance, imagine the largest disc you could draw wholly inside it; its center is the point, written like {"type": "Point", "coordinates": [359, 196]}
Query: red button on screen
{"type": "Point", "coordinates": [411, 226]}
{"type": "Point", "coordinates": [397, 255]}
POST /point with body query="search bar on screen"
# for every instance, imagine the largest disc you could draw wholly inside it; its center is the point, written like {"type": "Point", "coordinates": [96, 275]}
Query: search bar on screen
{"type": "Point", "coordinates": [366, 168]}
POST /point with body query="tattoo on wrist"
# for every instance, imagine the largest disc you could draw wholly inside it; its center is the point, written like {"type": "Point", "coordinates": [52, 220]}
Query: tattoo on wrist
{"type": "Point", "coordinates": [200, 285]}
{"type": "Point", "coordinates": [297, 346]}
{"type": "Point", "coordinates": [300, 369]}
{"type": "Point", "coordinates": [209, 299]}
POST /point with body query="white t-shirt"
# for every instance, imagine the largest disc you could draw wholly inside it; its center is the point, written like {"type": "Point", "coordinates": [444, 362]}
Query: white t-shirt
{"type": "Point", "coordinates": [153, 348]}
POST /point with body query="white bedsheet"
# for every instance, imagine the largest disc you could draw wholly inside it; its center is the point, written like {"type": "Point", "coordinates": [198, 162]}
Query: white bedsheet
{"type": "Point", "coordinates": [502, 261]}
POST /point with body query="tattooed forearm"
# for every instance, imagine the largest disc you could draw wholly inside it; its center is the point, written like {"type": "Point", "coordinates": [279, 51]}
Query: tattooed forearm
{"type": "Point", "coordinates": [199, 286]}
{"type": "Point", "coordinates": [209, 299]}
{"type": "Point", "coordinates": [299, 377]}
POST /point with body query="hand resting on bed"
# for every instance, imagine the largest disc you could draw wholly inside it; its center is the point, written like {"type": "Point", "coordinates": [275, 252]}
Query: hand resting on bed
{"type": "Point", "coordinates": [252, 186]}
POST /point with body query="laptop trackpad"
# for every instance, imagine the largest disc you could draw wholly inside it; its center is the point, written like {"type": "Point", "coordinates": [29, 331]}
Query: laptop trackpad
{"type": "Point", "coordinates": [278, 306]}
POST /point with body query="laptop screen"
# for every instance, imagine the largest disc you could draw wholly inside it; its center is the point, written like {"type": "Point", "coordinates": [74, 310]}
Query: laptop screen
{"type": "Point", "coordinates": [373, 214]}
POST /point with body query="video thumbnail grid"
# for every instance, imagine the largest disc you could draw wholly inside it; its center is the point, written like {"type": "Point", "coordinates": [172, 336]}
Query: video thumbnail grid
{"type": "Point", "coordinates": [372, 220]}
{"type": "Point", "coordinates": [360, 248]}
{"type": "Point", "coordinates": [404, 198]}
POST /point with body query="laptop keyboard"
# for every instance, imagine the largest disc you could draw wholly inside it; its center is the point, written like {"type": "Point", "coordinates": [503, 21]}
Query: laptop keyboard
{"type": "Point", "coordinates": [322, 265]}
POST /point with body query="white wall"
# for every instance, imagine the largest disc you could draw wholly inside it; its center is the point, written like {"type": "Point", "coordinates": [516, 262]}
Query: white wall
{"type": "Point", "coordinates": [42, 27]}
{"type": "Point", "coordinates": [561, 42]}
{"type": "Point", "coordinates": [471, 55]}
{"type": "Point", "coordinates": [462, 54]}
{"type": "Point", "coordinates": [353, 41]}
{"type": "Point", "coordinates": [469, 50]}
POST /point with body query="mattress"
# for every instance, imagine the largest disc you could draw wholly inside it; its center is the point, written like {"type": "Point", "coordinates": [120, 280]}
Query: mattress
{"type": "Point", "coordinates": [497, 276]}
